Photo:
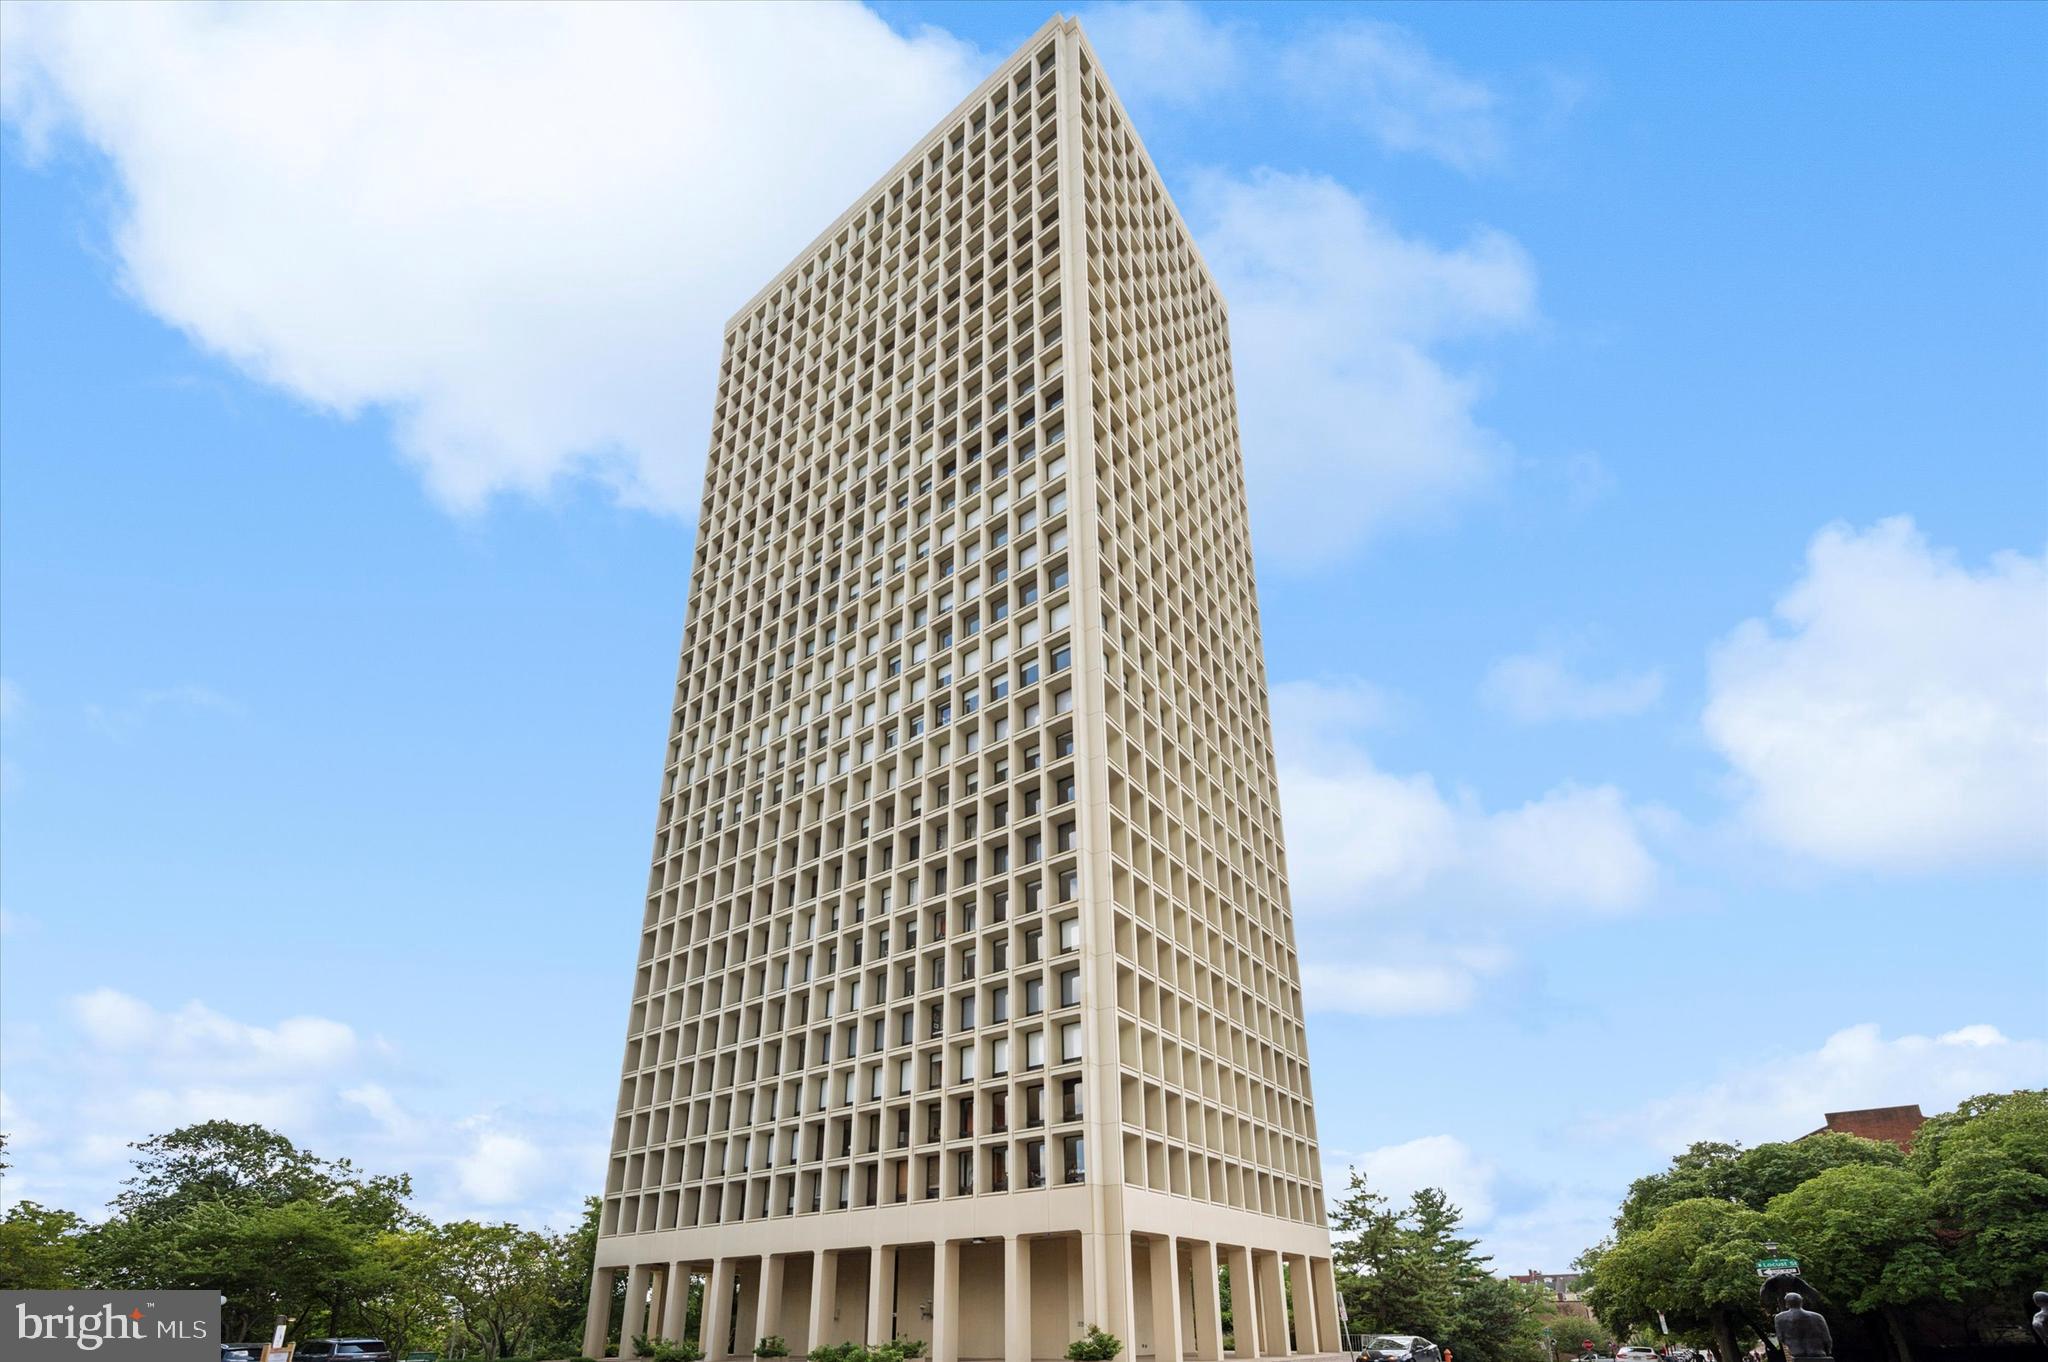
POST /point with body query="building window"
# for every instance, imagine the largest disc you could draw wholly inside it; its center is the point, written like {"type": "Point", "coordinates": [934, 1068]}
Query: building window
{"type": "Point", "coordinates": [1034, 1164]}
{"type": "Point", "coordinates": [1070, 987]}
{"type": "Point", "coordinates": [1070, 1099]}
{"type": "Point", "coordinates": [1034, 1049]}
{"type": "Point", "coordinates": [1070, 1042]}
{"type": "Point", "coordinates": [1070, 933]}
{"type": "Point", "coordinates": [1074, 1161]}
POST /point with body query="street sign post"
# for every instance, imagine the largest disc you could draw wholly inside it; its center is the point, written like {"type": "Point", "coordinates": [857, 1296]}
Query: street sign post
{"type": "Point", "coordinates": [1777, 1267]}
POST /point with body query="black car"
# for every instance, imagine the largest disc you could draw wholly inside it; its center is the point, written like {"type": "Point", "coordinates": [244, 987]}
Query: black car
{"type": "Point", "coordinates": [347, 1349]}
{"type": "Point", "coordinates": [1399, 1348]}
{"type": "Point", "coordinates": [241, 1352]}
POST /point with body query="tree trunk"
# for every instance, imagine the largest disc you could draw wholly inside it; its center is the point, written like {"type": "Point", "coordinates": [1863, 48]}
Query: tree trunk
{"type": "Point", "coordinates": [1724, 1338]}
{"type": "Point", "coordinates": [1895, 1328]}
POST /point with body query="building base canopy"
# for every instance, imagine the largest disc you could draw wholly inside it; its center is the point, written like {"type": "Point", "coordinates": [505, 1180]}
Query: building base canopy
{"type": "Point", "coordinates": [1009, 1298]}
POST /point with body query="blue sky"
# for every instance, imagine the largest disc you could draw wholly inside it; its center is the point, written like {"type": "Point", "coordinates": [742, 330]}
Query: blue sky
{"type": "Point", "coordinates": [1646, 417]}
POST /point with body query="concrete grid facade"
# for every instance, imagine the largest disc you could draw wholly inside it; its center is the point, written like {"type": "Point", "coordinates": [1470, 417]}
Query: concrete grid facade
{"type": "Point", "coordinates": [967, 1006]}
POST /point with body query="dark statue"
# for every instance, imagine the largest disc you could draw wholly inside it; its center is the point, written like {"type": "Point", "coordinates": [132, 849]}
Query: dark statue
{"type": "Point", "coordinates": [1803, 1332]}
{"type": "Point", "coordinates": [2041, 1317]}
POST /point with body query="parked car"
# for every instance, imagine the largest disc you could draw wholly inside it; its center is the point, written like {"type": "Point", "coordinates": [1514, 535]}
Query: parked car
{"type": "Point", "coordinates": [1399, 1348]}
{"type": "Point", "coordinates": [347, 1349]}
{"type": "Point", "coordinates": [1635, 1353]}
{"type": "Point", "coordinates": [241, 1352]}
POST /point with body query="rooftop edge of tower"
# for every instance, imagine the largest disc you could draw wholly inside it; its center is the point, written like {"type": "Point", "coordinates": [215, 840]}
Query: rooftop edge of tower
{"type": "Point", "coordinates": [1058, 24]}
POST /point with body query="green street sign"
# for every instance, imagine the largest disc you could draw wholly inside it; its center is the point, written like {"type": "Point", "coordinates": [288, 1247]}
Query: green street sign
{"type": "Point", "coordinates": [1777, 1267]}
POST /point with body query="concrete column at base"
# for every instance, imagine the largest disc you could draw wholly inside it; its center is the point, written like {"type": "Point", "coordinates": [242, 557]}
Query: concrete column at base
{"type": "Point", "coordinates": [1164, 1254]}
{"type": "Point", "coordinates": [715, 1315]}
{"type": "Point", "coordinates": [1081, 1299]}
{"type": "Point", "coordinates": [824, 1290]}
{"type": "Point", "coordinates": [597, 1320]}
{"type": "Point", "coordinates": [1016, 1299]}
{"type": "Point", "coordinates": [881, 1294]}
{"type": "Point", "coordinates": [1208, 1302]}
{"type": "Point", "coordinates": [1301, 1288]}
{"type": "Point", "coordinates": [1106, 1292]}
{"type": "Point", "coordinates": [1329, 1307]}
{"type": "Point", "coordinates": [1119, 1311]}
{"type": "Point", "coordinates": [635, 1320]}
{"type": "Point", "coordinates": [675, 1311]}
{"type": "Point", "coordinates": [945, 1301]}
{"type": "Point", "coordinates": [1244, 1303]}
{"type": "Point", "coordinates": [1272, 1305]}
{"type": "Point", "coordinates": [768, 1298]}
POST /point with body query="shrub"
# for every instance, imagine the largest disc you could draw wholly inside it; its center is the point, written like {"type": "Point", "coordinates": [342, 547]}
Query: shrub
{"type": "Point", "coordinates": [838, 1352]}
{"type": "Point", "coordinates": [771, 1345]}
{"type": "Point", "coordinates": [667, 1349]}
{"type": "Point", "coordinates": [1094, 1346]}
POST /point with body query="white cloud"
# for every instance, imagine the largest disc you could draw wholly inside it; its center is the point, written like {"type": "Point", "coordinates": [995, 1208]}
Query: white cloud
{"type": "Point", "coordinates": [1896, 713]}
{"type": "Point", "coordinates": [1402, 979]}
{"type": "Point", "coordinates": [1353, 419]}
{"type": "Point", "coordinates": [120, 1069]}
{"type": "Point", "coordinates": [1539, 687]}
{"type": "Point", "coordinates": [1780, 1098]}
{"type": "Point", "coordinates": [196, 1035]}
{"type": "Point", "coordinates": [384, 1108]}
{"type": "Point", "coordinates": [1165, 50]}
{"type": "Point", "coordinates": [119, 721]}
{"type": "Point", "coordinates": [1399, 1170]}
{"type": "Point", "coordinates": [1383, 78]}
{"type": "Point", "coordinates": [1361, 839]}
{"type": "Point", "coordinates": [1376, 76]}
{"type": "Point", "coordinates": [500, 1167]}
{"type": "Point", "coordinates": [515, 229]}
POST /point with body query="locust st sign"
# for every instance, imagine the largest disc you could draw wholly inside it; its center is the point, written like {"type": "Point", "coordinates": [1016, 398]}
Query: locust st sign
{"type": "Point", "coordinates": [1777, 1267]}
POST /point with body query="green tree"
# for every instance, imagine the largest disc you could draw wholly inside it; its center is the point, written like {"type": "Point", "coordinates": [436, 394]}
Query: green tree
{"type": "Point", "coordinates": [397, 1282]}
{"type": "Point", "coordinates": [40, 1248]}
{"type": "Point", "coordinates": [1986, 1167]}
{"type": "Point", "coordinates": [1378, 1272]}
{"type": "Point", "coordinates": [1749, 1177]}
{"type": "Point", "coordinates": [1865, 1237]}
{"type": "Point", "coordinates": [1569, 1335]}
{"type": "Point", "coordinates": [496, 1276]}
{"type": "Point", "coordinates": [1695, 1263]}
{"type": "Point", "coordinates": [1701, 1171]}
{"type": "Point", "coordinates": [1497, 1320]}
{"type": "Point", "coordinates": [292, 1259]}
{"type": "Point", "coordinates": [235, 1205]}
{"type": "Point", "coordinates": [568, 1264]}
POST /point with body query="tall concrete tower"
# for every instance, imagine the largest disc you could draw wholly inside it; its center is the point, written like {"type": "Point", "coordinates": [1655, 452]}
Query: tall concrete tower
{"type": "Point", "coordinates": [966, 1005]}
